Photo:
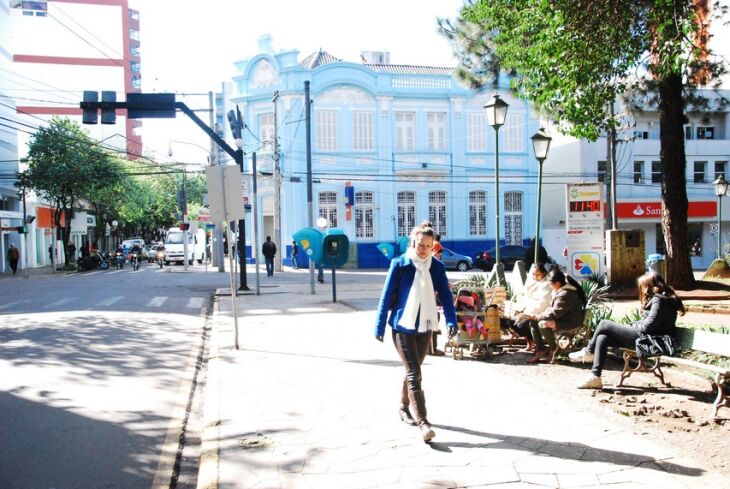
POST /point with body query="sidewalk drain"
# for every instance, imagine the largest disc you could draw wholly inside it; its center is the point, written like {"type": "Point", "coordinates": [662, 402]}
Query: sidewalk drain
{"type": "Point", "coordinates": [257, 442]}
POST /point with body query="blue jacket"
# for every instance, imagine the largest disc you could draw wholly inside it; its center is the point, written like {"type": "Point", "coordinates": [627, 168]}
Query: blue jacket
{"type": "Point", "coordinates": [400, 278]}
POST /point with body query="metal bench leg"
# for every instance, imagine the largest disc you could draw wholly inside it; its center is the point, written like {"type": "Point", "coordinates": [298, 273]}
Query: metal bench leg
{"type": "Point", "coordinates": [627, 371]}
{"type": "Point", "coordinates": [657, 370]}
{"type": "Point", "coordinates": [722, 398]}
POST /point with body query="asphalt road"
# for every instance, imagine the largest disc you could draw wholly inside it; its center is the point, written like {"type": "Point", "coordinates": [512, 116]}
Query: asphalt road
{"type": "Point", "coordinates": [96, 375]}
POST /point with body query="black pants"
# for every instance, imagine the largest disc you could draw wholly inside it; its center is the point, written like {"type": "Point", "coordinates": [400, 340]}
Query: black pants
{"type": "Point", "coordinates": [13, 265]}
{"type": "Point", "coordinates": [522, 328]}
{"type": "Point", "coordinates": [412, 349]}
{"type": "Point", "coordinates": [609, 333]}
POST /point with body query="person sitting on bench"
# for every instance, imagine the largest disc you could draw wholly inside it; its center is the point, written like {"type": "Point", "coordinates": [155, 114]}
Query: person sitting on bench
{"type": "Point", "coordinates": [565, 313]}
{"type": "Point", "coordinates": [534, 300]}
{"type": "Point", "coordinates": [660, 306]}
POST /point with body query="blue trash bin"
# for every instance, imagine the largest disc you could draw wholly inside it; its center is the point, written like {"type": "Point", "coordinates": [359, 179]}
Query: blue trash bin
{"type": "Point", "coordinates": [657, 264]}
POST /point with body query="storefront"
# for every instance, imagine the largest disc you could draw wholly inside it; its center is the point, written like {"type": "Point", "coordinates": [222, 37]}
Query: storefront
{"type": "Point", "coordinates": [701, 228]}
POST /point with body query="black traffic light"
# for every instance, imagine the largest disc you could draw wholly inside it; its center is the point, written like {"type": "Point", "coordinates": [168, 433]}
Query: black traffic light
{"type": "Point", "coordinates": [90, 114]}
{"type": "Point", "coordinates": [22, 230]}
{"type": "Point", "coordinates": [184, 226]}
{"type": "Point", "coordinates": [108, 114]}
{"type": "Point", "coordinates": [236, 122]}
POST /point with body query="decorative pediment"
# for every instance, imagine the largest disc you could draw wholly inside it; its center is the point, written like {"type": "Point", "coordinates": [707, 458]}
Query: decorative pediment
{"type": "Point", "coordinates": [263, 75]}
{"type": "Point", "coordinates": [345, 95]}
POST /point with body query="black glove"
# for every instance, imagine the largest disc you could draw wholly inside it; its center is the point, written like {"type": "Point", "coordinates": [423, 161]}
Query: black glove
{"type": "Point", "coordinates": [379, 338]}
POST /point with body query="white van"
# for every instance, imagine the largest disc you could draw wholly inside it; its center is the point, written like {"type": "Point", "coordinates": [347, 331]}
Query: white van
{"type": "Point", "coordinates": [174, 246]}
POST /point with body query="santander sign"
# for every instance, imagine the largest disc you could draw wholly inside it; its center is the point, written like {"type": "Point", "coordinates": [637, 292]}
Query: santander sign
{"type": "Point", "coordinates": [653, 210]}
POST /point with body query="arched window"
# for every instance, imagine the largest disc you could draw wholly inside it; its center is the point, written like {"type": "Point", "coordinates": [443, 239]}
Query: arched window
{"type": "Point", "coordinates": [437, 211]}
{"type": "Point", "coordinates": [477, 213]}
{"type": "Point", "coordinates": [364, 215]}
{"type": "Point", "coordinates": [406, 212]}
{"type": "Point", "coordinates": [328, 207]}
{"type": "Point", "coordinates": [513, 218]}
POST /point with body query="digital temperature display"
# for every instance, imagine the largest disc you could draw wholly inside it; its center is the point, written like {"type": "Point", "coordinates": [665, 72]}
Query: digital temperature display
{"type": "Point", "coordinates": [585, 206]}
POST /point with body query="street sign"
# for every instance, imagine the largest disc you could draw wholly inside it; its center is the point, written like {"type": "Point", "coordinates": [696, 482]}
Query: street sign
{"type": "Point", "coordinates": [225, 181]}
{"type": "Point", "coordinates": [209, 226]}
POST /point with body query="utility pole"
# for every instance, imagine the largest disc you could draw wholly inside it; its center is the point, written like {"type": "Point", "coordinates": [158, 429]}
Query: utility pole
{"type": "Point", "coordinates": [277, 191]}
{"type": "Point", "coordinates": [612, 162]}
{"type": "Point", "coordinates": [310, 208]}
{"type": "Point", "coordinates": [217, 235]}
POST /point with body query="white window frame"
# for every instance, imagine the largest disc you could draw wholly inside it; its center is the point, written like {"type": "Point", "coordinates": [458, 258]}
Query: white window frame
{"type": "Point", "coordinates": [638, 171]}
{"type": "Point", "coordinates": [722, 165]}
{"type": "Point", "coordinates": [266, 131]}
{"type": "Point", "coordinates": [477, 213]}
{"type": "Point", "coordinates": [436, 124]}
{"type": "Point", "coordinates": [362, 130]}
{"type": "Point", "coordinates": [514, 132]}
{"type": "Point", "coordinates": [327, 130]}
{"type": "Point", "coordinates": [328, 207]}
{"type": "Point", "coordinates": [438, 211]}
{"type": "Point", "coordinates": [364, 214]}
{"type": "Point", "coordinates": [513, 222]}
{"type": "Point", "coordinates": [476, 127]}
{"type": "Point", "coordinates": [405, 130]}
{"type": "Point", "coordinates": [699, 176]}
{"type": "Point", "coordinates": [406, 212]}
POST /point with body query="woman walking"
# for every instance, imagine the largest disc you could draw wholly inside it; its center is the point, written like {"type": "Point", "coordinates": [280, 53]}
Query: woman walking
{"type": "Point", "coordinates": [408, 303]}
{"type": "Point", "coordinates": [660, 306]}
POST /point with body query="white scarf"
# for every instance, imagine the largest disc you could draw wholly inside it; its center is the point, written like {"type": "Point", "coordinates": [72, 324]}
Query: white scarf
{"type": "Point", "coordinates": [420, 296]}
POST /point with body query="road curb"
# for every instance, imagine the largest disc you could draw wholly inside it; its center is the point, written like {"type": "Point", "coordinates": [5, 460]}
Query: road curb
{"type": "Point", "coordinates": [210, 437]}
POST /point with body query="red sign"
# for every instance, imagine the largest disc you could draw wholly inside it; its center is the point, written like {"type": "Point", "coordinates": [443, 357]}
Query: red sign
{"type": "Point", "coordinates": [653, 210]}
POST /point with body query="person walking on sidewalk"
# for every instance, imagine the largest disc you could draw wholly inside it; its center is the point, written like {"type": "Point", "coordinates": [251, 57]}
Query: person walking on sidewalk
{"type": "Point", "coordinates": [408, 303]}
{"type": "Point", "coordinates": [269, 251]}
{"type": "Point", "coordinates": [13, 257]}
{"type": "Point", "coordinates": [660, 306]}
{"type": "Point", "coordinates": [294, 253]}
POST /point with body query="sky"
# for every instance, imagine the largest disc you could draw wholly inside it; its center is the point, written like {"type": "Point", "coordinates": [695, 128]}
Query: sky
{"type": "Point", "coordinates": [190, 46]}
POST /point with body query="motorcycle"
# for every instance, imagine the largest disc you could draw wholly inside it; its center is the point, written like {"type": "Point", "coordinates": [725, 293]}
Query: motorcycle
{"type": "Point", "coordinates": [160, 257]}
{"type": "Point", "coordinates": [97, 261]}
{"type": "Point", "coordinates": [134, 261]}
{"type": "Point", "coordinates": [119, 259]}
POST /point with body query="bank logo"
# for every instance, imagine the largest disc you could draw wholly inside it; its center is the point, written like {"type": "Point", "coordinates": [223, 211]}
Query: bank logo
{"type": "Point", "coordinates": [639, 211]}
{"type": "Point", "coordinates": [585, 264]}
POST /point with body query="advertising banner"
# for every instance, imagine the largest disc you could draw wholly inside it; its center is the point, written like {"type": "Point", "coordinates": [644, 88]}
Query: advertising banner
{"type": "Point", "coordinates": [585, 227]}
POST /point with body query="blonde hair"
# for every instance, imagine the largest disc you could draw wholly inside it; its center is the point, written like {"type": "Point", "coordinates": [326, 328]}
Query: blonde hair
{"type": "Point", "coordinates": [423, 229]}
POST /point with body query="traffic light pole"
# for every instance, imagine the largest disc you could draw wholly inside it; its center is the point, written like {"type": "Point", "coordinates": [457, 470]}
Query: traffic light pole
{"type": "Point", "coordinates": [241, 246]}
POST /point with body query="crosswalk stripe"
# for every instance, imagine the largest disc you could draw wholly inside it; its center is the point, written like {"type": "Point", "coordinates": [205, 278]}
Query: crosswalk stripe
{"type": "Point", "coordinates": [156, 302]}
{"type": "Point", "coordinates": [195, 302]}
{"type": "Point", "coordinates": [13, 304]}
{"type": "Point", "coordinates": [60, 302]}
{"type": "Point", "coordinates": [111, 300]}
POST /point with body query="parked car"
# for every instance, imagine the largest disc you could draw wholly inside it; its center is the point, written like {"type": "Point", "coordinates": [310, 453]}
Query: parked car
{"type": "Point", "coordinates": [457, 261]}
{"type": "Point", "coordinates": [508, 255]}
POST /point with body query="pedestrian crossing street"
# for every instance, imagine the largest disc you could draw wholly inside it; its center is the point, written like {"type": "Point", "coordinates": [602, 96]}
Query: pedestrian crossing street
{"type": "Point", "coordinates": [168, 303]}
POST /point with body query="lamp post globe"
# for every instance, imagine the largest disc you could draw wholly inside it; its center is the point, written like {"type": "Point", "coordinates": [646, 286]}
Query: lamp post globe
{"type": "Point", "coordinates": [720, 186]}
{"type": "Point", "coordinates": [541, 146]}
{"type": "Point", "coordinates": [496, 116]}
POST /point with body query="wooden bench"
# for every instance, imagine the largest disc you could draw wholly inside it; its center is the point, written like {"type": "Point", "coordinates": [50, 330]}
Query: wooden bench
{"type": "Point", "coordinates": [687, 339]}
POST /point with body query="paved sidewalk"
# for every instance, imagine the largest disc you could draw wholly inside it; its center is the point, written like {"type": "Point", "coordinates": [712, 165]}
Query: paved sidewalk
{"type": "Point", "coordinates": [310, 401]}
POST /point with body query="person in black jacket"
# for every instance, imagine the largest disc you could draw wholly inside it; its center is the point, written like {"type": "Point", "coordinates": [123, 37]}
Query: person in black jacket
{"type": "Point", "coordinates": [660, 306]}
{"type": "Point", "coordinates": [269, 251]}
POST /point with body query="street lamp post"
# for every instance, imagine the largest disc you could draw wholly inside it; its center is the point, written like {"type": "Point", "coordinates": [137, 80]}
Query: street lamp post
{"type": "Point", "coordinates": [496, 115]}
{"type": "Point", "coordinates": [540, 145]}
{"type": "Point", "coordinates": [720, 186]}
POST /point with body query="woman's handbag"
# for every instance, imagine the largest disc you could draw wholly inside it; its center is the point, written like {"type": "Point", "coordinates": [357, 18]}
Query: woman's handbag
{"type": "Point", "coordinates": [651, 346]}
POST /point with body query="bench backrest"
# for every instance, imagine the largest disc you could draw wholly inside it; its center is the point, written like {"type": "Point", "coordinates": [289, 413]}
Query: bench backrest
{"type": "Point", "coordinates": [706, 341]}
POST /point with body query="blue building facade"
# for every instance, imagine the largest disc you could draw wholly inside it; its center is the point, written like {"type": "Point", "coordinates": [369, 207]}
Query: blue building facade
{"type": "Point", "coordinates": [411, 140]}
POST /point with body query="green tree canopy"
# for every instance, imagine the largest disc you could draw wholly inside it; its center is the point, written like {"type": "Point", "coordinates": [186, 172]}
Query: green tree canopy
{"type": "Point", "coordinates": [572, 58]}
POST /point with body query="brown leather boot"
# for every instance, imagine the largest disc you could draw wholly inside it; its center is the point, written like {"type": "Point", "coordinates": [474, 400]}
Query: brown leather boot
{"type": "Point", "coordinates": [418, 408]}
{"type": "Point", "coordinates": [405, 414]}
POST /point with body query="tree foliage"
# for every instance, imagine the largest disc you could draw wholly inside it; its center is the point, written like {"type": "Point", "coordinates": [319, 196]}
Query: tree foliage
{"type": "Point", "coordinates": [65, 165]}
{"type": "Point", "coordinates": [572, 58]}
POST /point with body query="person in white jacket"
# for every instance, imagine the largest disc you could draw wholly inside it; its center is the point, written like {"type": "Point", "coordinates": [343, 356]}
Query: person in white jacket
{"type": "Point", "coordinates": [534, 300]}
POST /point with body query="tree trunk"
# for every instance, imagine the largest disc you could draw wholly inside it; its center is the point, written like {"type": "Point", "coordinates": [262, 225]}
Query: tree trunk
{"type": "Point", "coordinates": [674, 186]}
